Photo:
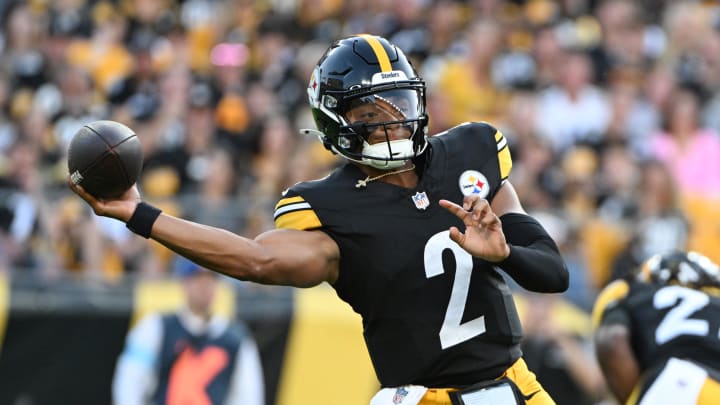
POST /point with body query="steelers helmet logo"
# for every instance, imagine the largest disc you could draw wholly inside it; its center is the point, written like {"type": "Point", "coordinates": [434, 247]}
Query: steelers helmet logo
{"type": "Point", "coordinates": [473, 182]}
{"type": "Point", "coordinates": [313, 89]}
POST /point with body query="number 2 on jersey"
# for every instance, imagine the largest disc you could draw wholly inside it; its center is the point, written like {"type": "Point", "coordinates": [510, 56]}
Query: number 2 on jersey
{"type": "Point", "coordinates": [453, 331]}
{"type": "Point", "coordinates": [677, 321]}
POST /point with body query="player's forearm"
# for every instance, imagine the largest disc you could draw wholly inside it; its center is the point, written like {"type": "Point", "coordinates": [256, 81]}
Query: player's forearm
{"type": "Point", "coordinates": [617, 361]}
{"type": "Point", "coordinates": [534, 261]}
{"type": "Point", "coordinates": [214, 248]}
{"type": "Point", "coordinates": [280, 257]}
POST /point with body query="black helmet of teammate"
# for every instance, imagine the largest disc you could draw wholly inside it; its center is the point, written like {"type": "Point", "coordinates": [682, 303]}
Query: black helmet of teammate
{"type": "Point", "coordinates": [689, 269]}
{"type": "Point", "coordinates": [368, 70]}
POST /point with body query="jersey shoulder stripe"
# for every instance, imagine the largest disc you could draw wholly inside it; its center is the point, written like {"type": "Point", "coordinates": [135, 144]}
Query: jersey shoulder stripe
{"type": "Point", "coordinates": [504, 157]}
{"type": "Point", "coordinates": [474, 136]}
{"type": "Point", "coordinates": [611, 294]}
{"type": "Point", "coordinates": [295, 213]}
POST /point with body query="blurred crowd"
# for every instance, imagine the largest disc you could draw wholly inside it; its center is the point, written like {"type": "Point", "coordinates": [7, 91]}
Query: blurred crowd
{"type": "Point", "coordinates": [612, 109]}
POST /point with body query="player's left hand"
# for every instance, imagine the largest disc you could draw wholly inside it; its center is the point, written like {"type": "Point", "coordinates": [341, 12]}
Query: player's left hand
{"type": "Point", "coordinates": [483, 236]}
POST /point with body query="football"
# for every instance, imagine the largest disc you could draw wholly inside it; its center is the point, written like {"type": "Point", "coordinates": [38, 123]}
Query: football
{"type": "Point", "coordinates": [105, 158]}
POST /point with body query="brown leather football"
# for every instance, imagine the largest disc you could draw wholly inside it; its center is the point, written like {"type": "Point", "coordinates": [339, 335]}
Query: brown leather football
{"type": "Point", "coordinates": [105, 158]}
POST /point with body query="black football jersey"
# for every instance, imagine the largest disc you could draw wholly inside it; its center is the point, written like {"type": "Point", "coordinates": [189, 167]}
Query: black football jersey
{"type": "Point", "coordinates": [664, 321]}
{"type": "Point", "coordinates": [432, 314]}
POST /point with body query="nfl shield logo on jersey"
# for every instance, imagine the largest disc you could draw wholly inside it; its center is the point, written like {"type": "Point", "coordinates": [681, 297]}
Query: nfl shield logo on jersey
{"type": "Point", "coordinates": [421, 200]}
{"type": "Point", "coordinates": [400, 395]}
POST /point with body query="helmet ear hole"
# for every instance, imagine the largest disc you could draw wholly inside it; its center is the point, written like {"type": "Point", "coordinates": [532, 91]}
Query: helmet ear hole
{"type": "Point", "coordinates": [328, 145]}
{"type": "Point", "coordinates": [351, 138]}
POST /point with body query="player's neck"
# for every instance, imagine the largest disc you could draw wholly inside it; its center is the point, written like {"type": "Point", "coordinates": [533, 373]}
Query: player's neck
{"type": "Point", "coordinates": [404, 176]}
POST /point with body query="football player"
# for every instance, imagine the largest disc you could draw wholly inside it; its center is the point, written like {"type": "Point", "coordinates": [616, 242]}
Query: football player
{"type": "Point", "coordinates": [658, 332]}
{"type": "Point", "coordinates": [413, 232]}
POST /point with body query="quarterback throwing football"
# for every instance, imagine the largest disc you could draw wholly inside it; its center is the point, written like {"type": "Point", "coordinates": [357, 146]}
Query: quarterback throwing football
{"type": "Point", "coordinates": [413, 232]}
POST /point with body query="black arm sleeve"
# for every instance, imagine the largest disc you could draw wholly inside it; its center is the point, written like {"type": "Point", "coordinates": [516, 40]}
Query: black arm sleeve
{"type": "Point", "coordinates": [534, 262]}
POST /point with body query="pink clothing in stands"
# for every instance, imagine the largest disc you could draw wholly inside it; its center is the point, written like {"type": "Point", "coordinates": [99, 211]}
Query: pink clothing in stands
{"type": "Point", "coordinates": [696, 167]}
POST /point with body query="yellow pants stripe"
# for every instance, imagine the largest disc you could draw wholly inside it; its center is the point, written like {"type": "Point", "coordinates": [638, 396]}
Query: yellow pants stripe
{"type": "Point", "coordinates": [518, 373]}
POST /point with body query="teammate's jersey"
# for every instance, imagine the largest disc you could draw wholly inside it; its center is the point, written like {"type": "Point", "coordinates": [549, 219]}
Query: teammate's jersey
{"type": "Point", "coordinates": [664, 321]}
{"type": "Point", "coordinates": [432, 314]}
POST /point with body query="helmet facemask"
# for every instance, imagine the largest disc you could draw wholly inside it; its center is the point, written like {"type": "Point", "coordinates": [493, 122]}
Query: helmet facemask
{"type": "Point", "coordinates": [383, 129]}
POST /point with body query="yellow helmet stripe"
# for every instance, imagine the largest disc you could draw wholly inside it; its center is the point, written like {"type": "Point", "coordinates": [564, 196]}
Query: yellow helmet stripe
{"type": "Point", "coordinates": [380, 53]}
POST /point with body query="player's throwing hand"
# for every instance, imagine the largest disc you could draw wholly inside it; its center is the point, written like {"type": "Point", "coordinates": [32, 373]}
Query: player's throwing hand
{"type": "Point", "coordinates": [119, 208]}
{"type": "Point", "coordinates": [483, 236]}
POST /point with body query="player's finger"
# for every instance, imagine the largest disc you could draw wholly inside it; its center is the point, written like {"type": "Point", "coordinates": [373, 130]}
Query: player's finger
{"type": "Point", "coordinates": [457, 236]}
{"type": "Point", "coordinates": [489, 219]}
{"type": "Point", "coordinates": [460, 212]}
{"type": "Point", "coordinates": [457, 210]}
{"type": "Point", "coordinates": [77, 189]}
{"type": "Point", "coordinates": [480, 209]}
{"type": "Point", "coordinates": [469, 202]}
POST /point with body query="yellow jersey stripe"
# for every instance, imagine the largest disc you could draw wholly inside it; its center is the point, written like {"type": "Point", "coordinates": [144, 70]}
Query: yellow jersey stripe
{"type": "Point", "coordinates": [615, 291]}
{"type": "Point", "coordinates": [380, 53]}
{"type": "Point", "coordinates": [504, 157]}
{"type": "Point", "coordinates": [635, 394]}
{"type": "Point", "coordinates": [289, 200]}
{"type": "Point", "coordinates": [4, 305]}
{"type": "Point", "coordinates": [301, 220]}
{"type": "Point", "coordinates": [498, 136]}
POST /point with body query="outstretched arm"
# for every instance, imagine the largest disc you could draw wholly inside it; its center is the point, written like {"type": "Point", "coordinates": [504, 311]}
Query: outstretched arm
{"type": "Point", "coordinates": [502, 233]}
{"type": "Point", "coordinates": [286, 257]}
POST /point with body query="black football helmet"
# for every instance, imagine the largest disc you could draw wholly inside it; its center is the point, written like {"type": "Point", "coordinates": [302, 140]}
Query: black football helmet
{"type": "Point", "coordinates": [369, 72]}
{"type": "Point", "coordinates": [689, 269]}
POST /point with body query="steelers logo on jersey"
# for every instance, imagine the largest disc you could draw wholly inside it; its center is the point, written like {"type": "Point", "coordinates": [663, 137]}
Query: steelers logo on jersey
{"type": "Point", "coordinates": [473, 182]}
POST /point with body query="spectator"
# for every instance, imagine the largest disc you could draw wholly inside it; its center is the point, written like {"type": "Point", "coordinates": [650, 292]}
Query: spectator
{"type": "Point", "coordinates": [657, 223]}
{"type": "Point", "coordinates": [634, 118]}
{"type": "Point", "coordinates": [216, 201]}
{"type": "Point", "coordinates": [191, 355]}
{"type": "Point", "coordinates": [691, 152]}
{"type": "Point", "coordinates": [711, 80]}
{"type": "Point", "coordinates": [466, 83]}
{"type": "Point", "coordinates": [18, 206]}
{"type": "Point", "coordinates": [574, 110]}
